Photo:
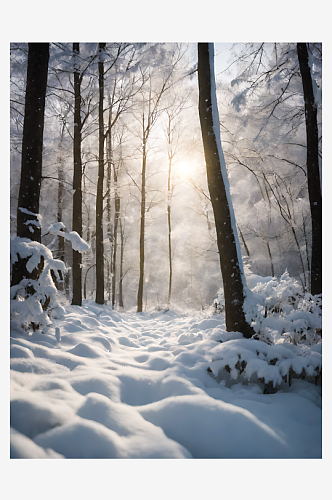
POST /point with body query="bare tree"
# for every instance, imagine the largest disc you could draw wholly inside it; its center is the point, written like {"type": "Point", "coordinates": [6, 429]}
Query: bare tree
{"type": "Point", "coordinates": [99, 200]}
{"type": "Point", "coordinates": [150, 111]}
{"type": "Point", "coordinates": [227, 240]}
{"type": "Point", "coordinates": [77, 180]}
{"type": "Point", "coordinates": [173, 134]}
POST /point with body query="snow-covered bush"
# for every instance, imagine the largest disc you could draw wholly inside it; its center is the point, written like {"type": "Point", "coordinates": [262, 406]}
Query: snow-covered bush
{"type": "Point", "coordinates": [279, 310]}
{"type": "Point", "coordinates": [287, 342]}
{"type": "Point", "coordinates": [271, 365]}
{"type": "Point", "coordinates": [278, 307]}
{"type": "Point", "coordinates": [32, 299]}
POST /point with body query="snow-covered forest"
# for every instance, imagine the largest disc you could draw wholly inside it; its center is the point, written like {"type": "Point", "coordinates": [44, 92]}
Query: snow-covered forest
{"type": "Point", "coordinates": [166, 250]}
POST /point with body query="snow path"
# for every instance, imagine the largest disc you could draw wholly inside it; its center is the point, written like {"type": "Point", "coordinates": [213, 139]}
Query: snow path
{"type": "Point", "coordinates": [137, 386]}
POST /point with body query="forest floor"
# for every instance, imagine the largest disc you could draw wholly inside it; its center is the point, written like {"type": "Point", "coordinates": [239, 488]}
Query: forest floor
{"type": "Point", "coordinates": [137, 385]}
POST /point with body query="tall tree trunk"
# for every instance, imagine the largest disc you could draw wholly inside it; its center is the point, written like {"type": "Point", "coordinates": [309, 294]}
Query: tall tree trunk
{"type": "Point", "coordinates": [227, 240]}
{"type": "Point", "coordinates": [99, 201]}
{"type": "Point", "coordinates": [314, 187]}
{"type": "Point", "coordinates": [169, 226]}
{"type": "Point", "coordinates": [115, 235]}
{"type": "Point", "coordinates": [121, 266]}
{"type": "Point", "coordinates": [28, 225]}
{"type": "Point", "coordinates": [142, 234]}
{"type": "Point", "coordinates": [61, 240]}
{"type": "Point", "coordinates": [108, 199]}
{"type": "Point", "coordinates": [77, 183]}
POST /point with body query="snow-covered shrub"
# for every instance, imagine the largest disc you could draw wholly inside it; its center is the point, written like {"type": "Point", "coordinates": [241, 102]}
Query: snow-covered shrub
{"type": "Point", "coordinates": [278, 307]}
{"type": "Point", "coordinates": [279, 310]}
{"type": "Point", "coordinates": [287, 340]}
{"type": "Point", "coordinates": [271, 365]}
{"type": "Point", "coordinates": [32, 299]}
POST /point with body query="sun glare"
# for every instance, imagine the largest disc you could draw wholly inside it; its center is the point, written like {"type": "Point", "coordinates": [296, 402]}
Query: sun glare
{"type": "Point", "coordinates": [185, 167]}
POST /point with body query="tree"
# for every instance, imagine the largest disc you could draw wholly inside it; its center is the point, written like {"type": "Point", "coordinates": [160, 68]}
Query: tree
{"type": "Point", "coordinates": [227, 239]}
{"type": "Point", "coordinates": [28, 223]}
{"type": "Point", "coordinates": [99, 200]}
{"type": "Point", "coordinates": [173, 135]}
{"type": "Point", "coordinates": [314, 187]}
{"type": "Point", "coordinates": [279, 90]}
{"type": "Point", "coordinates": [77, 181]}
{"type": "Point", "coordinates": [150, 112]}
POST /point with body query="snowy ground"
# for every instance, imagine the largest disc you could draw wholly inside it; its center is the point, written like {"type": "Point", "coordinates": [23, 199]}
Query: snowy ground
{"type": "Point", "coordinates": [136, 386]}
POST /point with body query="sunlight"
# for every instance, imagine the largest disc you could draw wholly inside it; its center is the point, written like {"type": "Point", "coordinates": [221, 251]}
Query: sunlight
{"type": "Point", "coordinates": [185, 167]}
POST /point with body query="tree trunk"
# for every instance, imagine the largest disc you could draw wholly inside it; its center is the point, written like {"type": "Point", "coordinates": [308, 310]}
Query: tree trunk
{"type": "Point", "coordinates": [142, 234]}
{"type": "Point", "coordinates": [169, 229]}
{"type": "Point", "coordinates": [270, 257]}
{"type": "Point", "coordinates": [61, 240]}
{"type": "Point", "coordinates": [244, 242]}
{"type": "Point", "coordinates": [28, 225]}
{"type": "Point", "coordinates": [115, 236]}
{"type": "Point", "coordinates": [314, 187]}
{"type": "Point", "coordinates": [121, 266]}
{"type": "Point", "coordinates": [227, 240]}
{"type": "Point", "coordinates": [108, 200]}
{"type": "Point", "coordinates": [77, 184]}
{"type": "Point", "coordinates": [99, 201]}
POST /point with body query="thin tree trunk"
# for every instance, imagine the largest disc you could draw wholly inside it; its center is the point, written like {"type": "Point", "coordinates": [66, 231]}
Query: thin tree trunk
{"type": "Point", "coordinates": [307, 253]}
{"type": "Point", "coordinates": [115, 236]}
{"type": "Point", "coordinates": [270, 255]}
{"type": "Point", "coordinates": [77, 184]}
{"type": "Point", "coordinates": [169, 229]}
{"type": "Point", "coordinates": [108, 200]}
{"type": "Point", "coordinates": [228, 244]}
{"type": "Point", "coordinates": [142, 234]}
{"type": "Point", "coordinates": [314, 187]}
{"type": "Point", "coordinates": [61, 240]}
{"type": "Point", "coordinates": [244, 242]}
{"type": "Point", "coordinates": [99, 201]}
{"type": "Point", "coordinates": [121, 266]}
{"type": "Point", "coordinates": [28, 225]}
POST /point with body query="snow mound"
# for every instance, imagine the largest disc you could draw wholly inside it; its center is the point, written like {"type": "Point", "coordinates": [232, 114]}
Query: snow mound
{"type": "Point", "coordinates": [228, 431]}
{"type": "Point", "coordinates": [23, 447]}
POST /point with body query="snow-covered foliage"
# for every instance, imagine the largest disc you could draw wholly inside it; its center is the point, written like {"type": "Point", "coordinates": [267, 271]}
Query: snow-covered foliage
{"type": "Point", "coordinates": [30, 310]}
{"type": "Point", "coordinates": [288, 326]}
{"type": "Point", "coordinates": [279, 310]}
{"type": "Point", "coordinates": [140, 385]}
{"type": "Point", "coordinates": [33, 301]}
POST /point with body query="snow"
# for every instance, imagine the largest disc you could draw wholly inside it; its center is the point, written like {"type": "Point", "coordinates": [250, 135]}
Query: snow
{"type": "Point", "coordinates": [77, 242]}
{"type": "Point", "coordinates": [104, 384]}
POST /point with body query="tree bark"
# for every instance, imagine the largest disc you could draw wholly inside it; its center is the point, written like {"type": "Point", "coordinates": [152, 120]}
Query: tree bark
{"type": "Point", "coordinates": [142, 234]}
{"type": "Point", "coordinates": [115, 236]}
{"type": "Point", "coordinates": [227, 241]}
{"type": "Point", "coordinates": [121, 266]}
{"type": "Point", "coordinates": [32, 144]}
{"type": "Point", "coordinates": [314, 187]}
{"type": "Point", "coordinates": [61, 240]}
{"type": "Point", "coordinates": [169, 225]}
{"type": "Point", "coordinates": [108, 200]}
{"type": "Point", "coordinates": [28, 225]}
{"type": "Point", "coordinates": [77, 183]}
{"type": "Point", "coordinates": [100, 184]}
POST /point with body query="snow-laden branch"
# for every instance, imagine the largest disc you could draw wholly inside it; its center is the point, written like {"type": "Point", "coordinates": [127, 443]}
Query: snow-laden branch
{"type": "Point", "coordinates": [77, 242]}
